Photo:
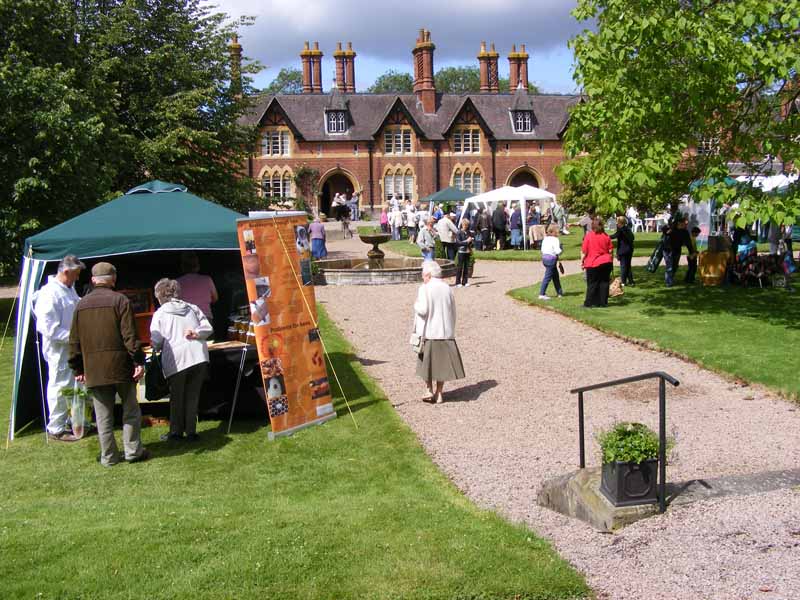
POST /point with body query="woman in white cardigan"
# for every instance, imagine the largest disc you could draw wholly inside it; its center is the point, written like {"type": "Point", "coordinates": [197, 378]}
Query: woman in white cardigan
{"type": "Point", "coordinates": [180, 331]}
{"type": "Point", "coordinates": [435, 321]}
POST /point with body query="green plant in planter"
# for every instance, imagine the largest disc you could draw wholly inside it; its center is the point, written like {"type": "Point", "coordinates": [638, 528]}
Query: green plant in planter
{"type": "Point", "coordinates": [628, 442]}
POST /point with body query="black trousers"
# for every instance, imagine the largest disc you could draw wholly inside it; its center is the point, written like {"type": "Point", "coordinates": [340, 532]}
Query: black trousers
{"type": "Point", "coordinates": [625, 272]}
{"type": "Point", "coordinates": [486, 237]}
{"type": "Point", "coordinates": [597, 282]}
{"type": "Point", "coordinates": [500, 236]}
{"type": "Point", "coordinates": [462, 268]}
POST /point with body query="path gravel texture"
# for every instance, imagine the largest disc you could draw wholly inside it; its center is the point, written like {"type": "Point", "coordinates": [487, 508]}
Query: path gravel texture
{"type": "Point", "coordinates": [512, 424]}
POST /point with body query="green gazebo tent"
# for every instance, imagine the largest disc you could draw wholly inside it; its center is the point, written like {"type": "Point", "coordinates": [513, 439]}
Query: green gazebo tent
{"type": "Point", "coordinates": [448, 194]}
{"type": "Point", "coordinates": [153, 217]}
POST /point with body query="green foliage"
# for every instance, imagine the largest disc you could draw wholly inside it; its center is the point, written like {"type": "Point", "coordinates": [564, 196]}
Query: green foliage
{"type": "Point", "coordinates": [99, 96]}
{"type": "Point", "coordinates": [458, 80]}
{"type": "Point", "coordinates": [392, 82]}
{"type": "Point", "coordinates": [659, 75]}
{"type": "Point", "coordinates": [288, 81]}
{"type": "Point", "coordinates": [628, 442]}
{"type": "Point", "coordinates": [306, 179]}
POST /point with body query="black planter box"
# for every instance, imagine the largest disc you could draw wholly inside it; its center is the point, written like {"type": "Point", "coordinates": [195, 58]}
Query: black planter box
{"type": "Point", "coordinates": [629, 484]}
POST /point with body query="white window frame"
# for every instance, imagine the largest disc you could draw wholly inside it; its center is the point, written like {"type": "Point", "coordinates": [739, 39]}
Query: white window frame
{"type": "Point", "coordinates": [275, 143]}
{"type": "Point", "coordinates": [280, 185]}
{"type": "Point", "coordinates": [336, 121]}
{"type": "Point", "coordinates": [397, 141]}
{"type": "Point", "coordinates": [467, 140]}
{"type": "Point", "coordinates": [399, 182]}
{"type": "Point", "coordinates": [523, 121]}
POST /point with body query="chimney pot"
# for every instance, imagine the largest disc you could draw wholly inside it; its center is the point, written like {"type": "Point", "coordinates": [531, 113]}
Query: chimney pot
{"type": "Point", "coordinates": [316, 45]}
{"type": "Point", "coordinates": [338, 45]}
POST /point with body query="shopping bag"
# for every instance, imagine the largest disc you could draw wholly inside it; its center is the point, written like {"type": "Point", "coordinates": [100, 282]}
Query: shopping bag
{"type": "Point", "coordinates": [80, 408]}
{"type": "Point", "coordinates": [656, 257]}
{"type": "Point", "coordinates": [156, 385]}
{"type": "Point", "coordinates": [789, 266]}
{"type": "Point", "coordinates": [616, 289]}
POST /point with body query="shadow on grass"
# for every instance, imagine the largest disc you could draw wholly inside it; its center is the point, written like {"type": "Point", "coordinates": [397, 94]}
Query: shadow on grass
{"type": "Point", "coordinates": [775, 306]}
{"type": "Point", "coordinates": [210, 440]}
{"type": "Point", "coordinates": [357, 394]}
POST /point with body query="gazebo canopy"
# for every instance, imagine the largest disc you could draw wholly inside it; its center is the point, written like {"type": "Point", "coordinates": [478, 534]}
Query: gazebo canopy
{"type": "Point", "coordinates": [448, 194]}
{"type": "Point", "coordinates": [153, 216]}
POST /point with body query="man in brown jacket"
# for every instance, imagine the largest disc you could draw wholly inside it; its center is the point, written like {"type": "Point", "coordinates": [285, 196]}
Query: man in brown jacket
{"type": "Point", "coordinates": [105, 354]}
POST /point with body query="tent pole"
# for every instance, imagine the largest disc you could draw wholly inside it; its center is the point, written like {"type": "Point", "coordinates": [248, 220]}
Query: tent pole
{"type": "Point", "coordinates": [41, 387]}
{"type": "Point", "coordinates": [236, 391]}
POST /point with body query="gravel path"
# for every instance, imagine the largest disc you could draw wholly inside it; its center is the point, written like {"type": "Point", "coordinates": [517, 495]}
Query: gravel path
{"type": "Point", "coordinates": [512, 424]}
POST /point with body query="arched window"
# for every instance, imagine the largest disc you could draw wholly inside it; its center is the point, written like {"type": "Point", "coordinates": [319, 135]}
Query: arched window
{"type": "Point", "coordinates": [469, 180]}
{"type": "Point", "coordinates": [400, 183]}
{"type": "Point", "coordinates": [276, 184]}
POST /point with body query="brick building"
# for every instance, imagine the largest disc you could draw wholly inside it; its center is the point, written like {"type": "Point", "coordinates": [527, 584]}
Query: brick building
{"type": "Point", "coordinates": [410, 145]}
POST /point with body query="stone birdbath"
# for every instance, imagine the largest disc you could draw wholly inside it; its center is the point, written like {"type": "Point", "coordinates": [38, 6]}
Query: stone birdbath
{"type": "Point", "coordinates": [375, 255]}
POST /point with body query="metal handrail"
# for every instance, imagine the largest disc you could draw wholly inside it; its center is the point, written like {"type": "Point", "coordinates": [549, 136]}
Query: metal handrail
{"type": "Point", "coordinates": [662, 423]}
{"type": "Point", "coordinates": [653, 375]}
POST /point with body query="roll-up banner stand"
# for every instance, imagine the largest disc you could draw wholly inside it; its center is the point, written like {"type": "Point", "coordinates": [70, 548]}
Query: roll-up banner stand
{"type": "Point", "coordinates": [276, 258]}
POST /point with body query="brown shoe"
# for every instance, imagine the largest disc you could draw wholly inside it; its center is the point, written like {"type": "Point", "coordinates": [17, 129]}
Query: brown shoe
{"type": "Point", "coordinates": [62, 436]}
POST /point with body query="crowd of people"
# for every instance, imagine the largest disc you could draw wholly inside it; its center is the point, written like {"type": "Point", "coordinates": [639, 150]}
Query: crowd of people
{"type": "Point", "coordinates": [93, 342]}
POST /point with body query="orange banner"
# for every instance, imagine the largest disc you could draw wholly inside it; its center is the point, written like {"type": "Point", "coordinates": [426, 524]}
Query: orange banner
{"type": "Point", "coordinates": [276, 257]}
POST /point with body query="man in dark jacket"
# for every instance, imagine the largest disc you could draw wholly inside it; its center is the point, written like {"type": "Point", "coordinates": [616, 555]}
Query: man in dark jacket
{"type": "Point", "coordinates": [105, 354]}
{"type": "Point", "coordinates": [676, 236]}
{"type": "Point", "coordinates": [499, 225]}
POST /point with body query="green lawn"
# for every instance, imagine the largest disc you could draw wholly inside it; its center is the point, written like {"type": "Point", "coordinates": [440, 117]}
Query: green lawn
{"type": "Point", "coordinates": [750, 333]}
{"type": "Point", "coordinates": [331, 512]}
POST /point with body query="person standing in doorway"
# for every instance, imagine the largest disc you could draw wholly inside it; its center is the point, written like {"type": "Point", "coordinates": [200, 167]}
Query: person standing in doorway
{"type": "Point", "coordinates": [54, 305]}
{"type": "Point", "coordinates": [107, 357]}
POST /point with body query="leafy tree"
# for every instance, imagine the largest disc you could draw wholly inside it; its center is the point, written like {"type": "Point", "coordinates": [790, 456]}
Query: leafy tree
{"type": "Point", "coordinates": [503, 85]}
{"type": "Point", "coordinates": [97, 96]}
{"type": "Point", "coordinates": [392, 82]}
{"type": "Point", "coordinates": [458, 80]}
{"type": "Point", "coordinates": [658, 75]}
{"type": "Point", "coordinates": [288, 81]}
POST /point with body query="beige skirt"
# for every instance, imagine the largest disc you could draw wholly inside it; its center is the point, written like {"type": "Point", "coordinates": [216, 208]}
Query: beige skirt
{"type": "Point", "coordinates": [440, 361]}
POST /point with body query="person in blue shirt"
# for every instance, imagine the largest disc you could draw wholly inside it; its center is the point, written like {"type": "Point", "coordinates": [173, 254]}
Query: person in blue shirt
{"type": "Point", "coordinates": [438, 213]}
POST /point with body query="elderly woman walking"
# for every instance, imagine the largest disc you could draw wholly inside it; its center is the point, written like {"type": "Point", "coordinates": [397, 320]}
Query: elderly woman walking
{"type": "Point", "coordinates": [180, 330]}
{"type": "Point", "coordinates": [316, 231]}
{"type": "Point", "coordinates": [435, 322]}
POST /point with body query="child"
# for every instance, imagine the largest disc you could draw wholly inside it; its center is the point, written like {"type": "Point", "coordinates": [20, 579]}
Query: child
{"type": "Point", "coordinates": [692, 258]}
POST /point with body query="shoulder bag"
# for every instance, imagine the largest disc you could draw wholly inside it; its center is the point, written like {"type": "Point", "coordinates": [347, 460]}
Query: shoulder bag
{"type": "Point", "coordinates": [417, 340]}
{"type": "Point", "coordinates": [156, 385]}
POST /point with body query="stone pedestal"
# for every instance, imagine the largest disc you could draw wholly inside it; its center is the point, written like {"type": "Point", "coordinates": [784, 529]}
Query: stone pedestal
{"type": "Point", "coordinates": [578, 495]}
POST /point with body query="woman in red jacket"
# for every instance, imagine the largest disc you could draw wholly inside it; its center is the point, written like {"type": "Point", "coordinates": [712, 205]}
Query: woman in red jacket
{"type": "Point", "coordinates": [596, 259]}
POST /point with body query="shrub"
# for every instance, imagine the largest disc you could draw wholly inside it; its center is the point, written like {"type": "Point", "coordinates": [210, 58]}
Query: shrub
{"type": "Point", "coordinates": [628, 442]}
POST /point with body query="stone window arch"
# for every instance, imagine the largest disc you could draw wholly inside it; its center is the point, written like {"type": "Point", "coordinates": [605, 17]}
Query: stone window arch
{"type": "Point", "coordinates": [276, 182]}
{"type": "Point", "coordinates": [399, 180]}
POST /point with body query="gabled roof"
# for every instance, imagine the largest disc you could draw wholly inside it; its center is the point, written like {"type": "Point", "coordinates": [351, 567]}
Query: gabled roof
{"type": "Point", "coordinates": [336, 101]}
{"type": "Point", "coordinates": [465, 105]}
{"type": "Point", "coordinates": [305, 114]}
{"type": "Point", "coordinates": [398, 104]}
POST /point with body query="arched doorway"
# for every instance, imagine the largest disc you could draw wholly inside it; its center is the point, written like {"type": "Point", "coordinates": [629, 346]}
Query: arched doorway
{"type": "Point", "coordinates": [335, 183]}
{"type": "Point", "coordinates": [524, 176]}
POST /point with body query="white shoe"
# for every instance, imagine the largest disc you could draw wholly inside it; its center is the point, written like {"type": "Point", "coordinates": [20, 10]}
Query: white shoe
{"type": "Point", "coordinates": [543, 297]}
{"type": "Point", "coordinates": [459, 285]}
{"type": "Point", "coordinates": [466, 285]}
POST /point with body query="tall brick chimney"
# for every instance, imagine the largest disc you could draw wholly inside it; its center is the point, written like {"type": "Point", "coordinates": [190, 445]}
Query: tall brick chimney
{"type": "Point", "coordinates": [513, 68]}
{"type": "Point", "coordinates": [305, 56]}
{"type": "Point", "coordinates": [350, 69]}
{"type": "Point", "coordinates": [424, 85]}
{"type": "Point", "coordinates": [339, 57]}
{"type": "Point", "coordinates": [316, 67]}
{"type": "Point", "coordinates": [523, 67]}
{"type": "Point", "coordinates": [487, 60]}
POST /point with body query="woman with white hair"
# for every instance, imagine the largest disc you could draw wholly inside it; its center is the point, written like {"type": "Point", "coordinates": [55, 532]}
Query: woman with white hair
{"type": "Point", "coordinates": [180, 331]}
{"type": "Point", "coordinates": [435, 322]}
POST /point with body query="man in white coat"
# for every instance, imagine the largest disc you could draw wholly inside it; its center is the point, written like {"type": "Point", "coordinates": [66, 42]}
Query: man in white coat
{"type": "Point", "coordinates": [54, 304]}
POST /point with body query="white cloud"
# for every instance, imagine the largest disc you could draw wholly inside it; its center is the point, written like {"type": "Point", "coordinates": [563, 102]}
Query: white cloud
{"type": "Point", "coordinates": [385, 32]}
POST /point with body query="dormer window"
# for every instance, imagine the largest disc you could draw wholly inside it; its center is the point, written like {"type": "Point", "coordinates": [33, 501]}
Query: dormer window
{"type": "Point", "coordinates": [523, 121]}
{"type": "Point", "coordinates": [337, 121]}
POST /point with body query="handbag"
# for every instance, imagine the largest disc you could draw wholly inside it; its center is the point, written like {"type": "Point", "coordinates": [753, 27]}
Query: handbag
{"type": "Point", "coordinates": [615, 289]}
{"type": "Point", "coordinates": [156, 385]}
{"type": "Point", "coordinates": [417, 340]}
{"type": "Point", "coordinates": [560, 267]}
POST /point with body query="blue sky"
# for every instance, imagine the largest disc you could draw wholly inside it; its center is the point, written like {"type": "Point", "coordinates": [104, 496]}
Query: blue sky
{"type": "Point", "coordinates": [383, 34]}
